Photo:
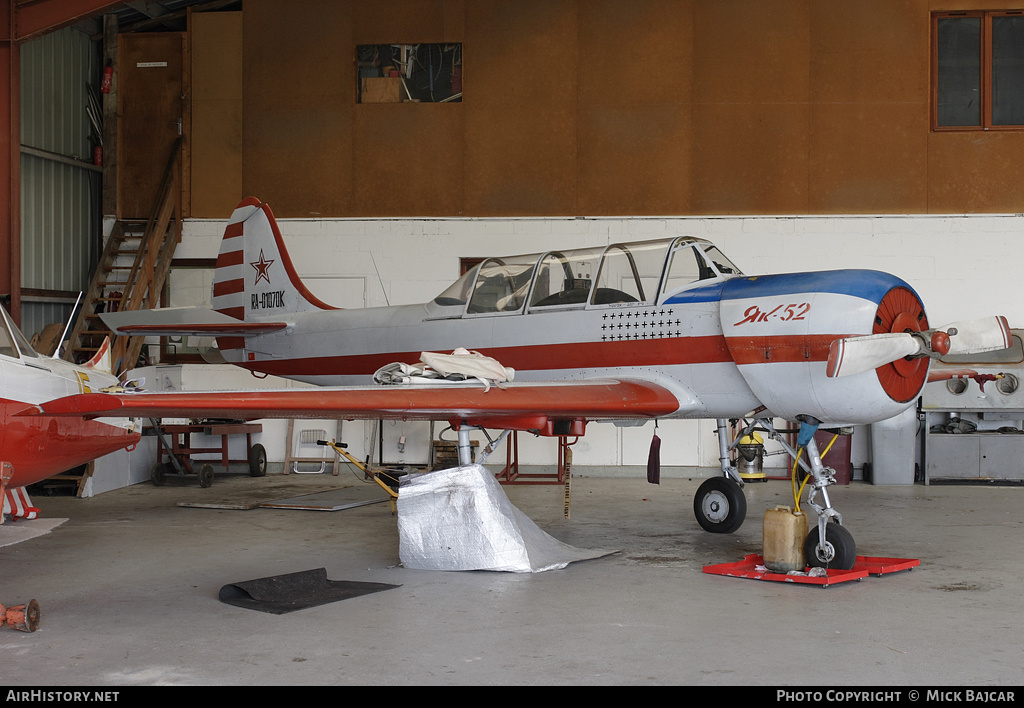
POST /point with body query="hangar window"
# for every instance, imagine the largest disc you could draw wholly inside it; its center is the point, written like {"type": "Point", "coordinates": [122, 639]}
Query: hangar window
{"type": "Point", "coordinates": [978, 70]}
{"type": "Point", "coordinates": [409, 73]}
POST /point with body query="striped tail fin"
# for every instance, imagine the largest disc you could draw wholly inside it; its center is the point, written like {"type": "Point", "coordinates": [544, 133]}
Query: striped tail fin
{"type": "Point", "coordinates": [254, 277]}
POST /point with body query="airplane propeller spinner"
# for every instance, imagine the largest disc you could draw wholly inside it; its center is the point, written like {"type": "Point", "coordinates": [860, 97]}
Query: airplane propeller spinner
{"type": "Point", "coordinates": [854, 355]}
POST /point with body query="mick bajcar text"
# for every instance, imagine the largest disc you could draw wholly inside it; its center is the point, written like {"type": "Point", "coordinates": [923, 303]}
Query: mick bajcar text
{"type": "Point", "coordinates": [966, 695]}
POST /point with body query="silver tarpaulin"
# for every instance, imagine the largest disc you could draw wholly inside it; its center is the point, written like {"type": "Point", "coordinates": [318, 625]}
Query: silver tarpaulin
{"type": "Point", "coordinates": [460, 519]}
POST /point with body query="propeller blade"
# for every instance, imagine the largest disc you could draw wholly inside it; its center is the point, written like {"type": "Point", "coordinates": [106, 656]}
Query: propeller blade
{"type": "Point", "coordinates": [976, 336]}
{"type": "Point", "coordinates": [856, 354]}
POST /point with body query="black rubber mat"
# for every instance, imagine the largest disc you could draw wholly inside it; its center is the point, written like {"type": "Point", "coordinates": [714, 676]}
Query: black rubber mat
{"type": "Point", "coordinates": [280, 594]}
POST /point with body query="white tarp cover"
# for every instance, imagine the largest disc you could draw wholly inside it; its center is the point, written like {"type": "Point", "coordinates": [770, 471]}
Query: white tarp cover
{"type": "Point", "coordinates": [435, 368]}
{"type": "Point", "coordinates": [471, 364]}
{"type": "Point", "coordinates": [460, 519]}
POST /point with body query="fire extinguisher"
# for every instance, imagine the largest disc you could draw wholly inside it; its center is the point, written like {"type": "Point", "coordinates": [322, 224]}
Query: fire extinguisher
{"type": "Point", "coordinates": [108, 78]}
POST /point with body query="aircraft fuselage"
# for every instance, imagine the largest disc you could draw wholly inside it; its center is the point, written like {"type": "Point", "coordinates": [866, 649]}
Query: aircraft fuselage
{"type": "Point", "coordinates": [723, 343]}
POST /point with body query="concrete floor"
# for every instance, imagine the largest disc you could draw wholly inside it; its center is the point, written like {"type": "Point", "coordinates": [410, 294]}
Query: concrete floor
{"type": "Point", "coordinates": [128, 588]}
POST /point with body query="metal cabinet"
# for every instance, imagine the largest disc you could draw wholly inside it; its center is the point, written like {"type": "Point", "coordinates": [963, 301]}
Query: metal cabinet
{"type": "Point", "coordinates": [992, 410]}
{"type": "Point", "coordinates": [987, 455]}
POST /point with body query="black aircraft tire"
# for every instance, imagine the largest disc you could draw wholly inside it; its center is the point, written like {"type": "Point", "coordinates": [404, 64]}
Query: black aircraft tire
{"type": "Point", "coordinates": [840, 542]}
{"type": "Point", "coordinates": [719, 505]}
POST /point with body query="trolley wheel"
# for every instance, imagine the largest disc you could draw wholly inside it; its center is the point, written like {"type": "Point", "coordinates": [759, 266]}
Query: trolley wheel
{"type": "Point", "coordinates": [206, 475]}
{"type": "Point", "coordinates": [719, 505]}
{"type": "Point", "coordinates": [158, 474]}
{"type": "Point", "coordinates": [257, 461]}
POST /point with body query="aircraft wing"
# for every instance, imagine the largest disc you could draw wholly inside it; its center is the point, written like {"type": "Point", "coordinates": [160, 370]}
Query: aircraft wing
{"type": "Point", "coordinates": [545, 407]}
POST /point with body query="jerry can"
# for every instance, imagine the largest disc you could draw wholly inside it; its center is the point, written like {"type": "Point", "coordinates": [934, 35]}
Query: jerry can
{"type": "Point", "coordinates": [783, 539]}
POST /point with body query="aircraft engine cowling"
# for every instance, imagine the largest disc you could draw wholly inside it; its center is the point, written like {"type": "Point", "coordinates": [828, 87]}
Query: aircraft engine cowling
{"type": "Point", "coordinates": [779, 328]}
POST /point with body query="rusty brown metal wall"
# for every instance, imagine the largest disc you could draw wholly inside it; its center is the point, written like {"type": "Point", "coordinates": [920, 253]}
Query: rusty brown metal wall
{"type": "Point", "coordinates": [615, 107]}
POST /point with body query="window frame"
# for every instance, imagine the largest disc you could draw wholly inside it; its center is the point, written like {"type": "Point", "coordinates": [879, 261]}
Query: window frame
{"type": "Point", "coordinates": [404, 78]}
{"type": "Point", "coordinates": [985, 79]}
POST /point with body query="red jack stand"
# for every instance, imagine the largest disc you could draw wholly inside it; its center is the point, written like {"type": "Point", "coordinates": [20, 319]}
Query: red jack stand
{"type": "Point", "coordinates": [751, 567]}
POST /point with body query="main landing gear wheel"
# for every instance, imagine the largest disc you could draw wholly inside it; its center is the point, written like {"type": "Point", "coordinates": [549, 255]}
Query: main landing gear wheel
{"type": "Point", "coordinates": [719, 505]}
{"type": "Point", "coordinates": [839, 550]}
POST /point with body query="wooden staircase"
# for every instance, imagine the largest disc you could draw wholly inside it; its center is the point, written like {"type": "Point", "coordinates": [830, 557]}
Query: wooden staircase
{"type": "Point", "coordinates": [130, 275]}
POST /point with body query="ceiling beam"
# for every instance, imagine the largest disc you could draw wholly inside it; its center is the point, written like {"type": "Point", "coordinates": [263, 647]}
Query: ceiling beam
{"type": "Point", "coordinates": [149, 9]}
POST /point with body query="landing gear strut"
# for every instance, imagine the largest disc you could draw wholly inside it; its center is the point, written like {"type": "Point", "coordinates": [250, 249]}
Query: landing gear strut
{"type": "Point", "coordinates": [829, 544]}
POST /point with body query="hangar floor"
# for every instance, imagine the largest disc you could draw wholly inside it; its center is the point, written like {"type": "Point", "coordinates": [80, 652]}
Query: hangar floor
{"type": "Point", "coordinates": [128, 588]}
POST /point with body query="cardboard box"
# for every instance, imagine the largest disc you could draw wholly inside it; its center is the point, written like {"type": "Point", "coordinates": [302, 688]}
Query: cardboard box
{"type": "Point", "coordinates": [386, 89]}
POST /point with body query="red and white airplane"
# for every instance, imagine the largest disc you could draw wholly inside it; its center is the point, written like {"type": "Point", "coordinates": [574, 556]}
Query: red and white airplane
{"type": "Point", "coordinates": [34, 448]}
{"type": "Point", "coordinates": [658, 329]}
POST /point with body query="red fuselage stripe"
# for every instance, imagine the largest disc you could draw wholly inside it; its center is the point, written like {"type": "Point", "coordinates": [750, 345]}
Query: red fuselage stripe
{"type": "Point", "coordinates": [760, 350]}
{"type": "Point", "coordinates": [584, 355]}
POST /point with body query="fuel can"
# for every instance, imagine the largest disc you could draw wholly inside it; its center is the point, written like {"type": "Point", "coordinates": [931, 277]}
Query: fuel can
{"type": "Point", "coordinates": [783, 539]}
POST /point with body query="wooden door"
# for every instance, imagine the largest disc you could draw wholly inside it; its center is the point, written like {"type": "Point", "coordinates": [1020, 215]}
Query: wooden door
{"type": "Point", "coordinates": [151, 111]}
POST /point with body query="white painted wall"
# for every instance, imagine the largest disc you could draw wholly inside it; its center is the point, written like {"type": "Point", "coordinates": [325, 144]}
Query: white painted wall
{"type": "Point", "coordinates": [963, 266]}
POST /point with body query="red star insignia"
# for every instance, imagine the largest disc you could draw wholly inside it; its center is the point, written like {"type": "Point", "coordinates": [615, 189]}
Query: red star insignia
{"type": "Point", "coordinates": [261, 267]}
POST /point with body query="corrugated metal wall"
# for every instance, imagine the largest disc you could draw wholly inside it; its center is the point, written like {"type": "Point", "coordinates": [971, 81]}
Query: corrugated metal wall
{"type": "Point", "coordinates": [60, 202]}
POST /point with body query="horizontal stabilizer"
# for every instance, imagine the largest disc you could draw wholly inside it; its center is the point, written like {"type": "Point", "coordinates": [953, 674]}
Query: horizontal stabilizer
{"type": "Point", "coordinates": [196, 321]}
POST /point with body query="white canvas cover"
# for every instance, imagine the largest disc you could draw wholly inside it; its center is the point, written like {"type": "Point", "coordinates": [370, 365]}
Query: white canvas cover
{"type": "Point", "coordinates": [461, 519]}
{"type": "Point", "coordinates": [472, 364]}
{"type": "Point", "coordinates": [433, 368]}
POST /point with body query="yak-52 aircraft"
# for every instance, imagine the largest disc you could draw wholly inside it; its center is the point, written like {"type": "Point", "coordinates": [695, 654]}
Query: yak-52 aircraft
{"type": "Point", "coordinates": [39, 447]}
{"type": "Point", "coordinates": [632, 331]}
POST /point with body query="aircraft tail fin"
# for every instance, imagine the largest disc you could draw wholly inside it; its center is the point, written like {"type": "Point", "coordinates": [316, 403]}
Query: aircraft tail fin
{"type": "Point", "coordinates": [101, 360]}
{"type": "Point", "coordinates": [254, 277]}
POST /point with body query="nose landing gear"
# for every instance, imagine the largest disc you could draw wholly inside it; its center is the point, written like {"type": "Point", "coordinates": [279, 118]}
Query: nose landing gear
{"type": "Point", "coordinates": [720, 506]}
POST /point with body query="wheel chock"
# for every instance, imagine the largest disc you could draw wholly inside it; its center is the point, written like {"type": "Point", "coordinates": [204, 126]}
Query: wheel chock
{"type": "Point", "coordinates": [24, 618]}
